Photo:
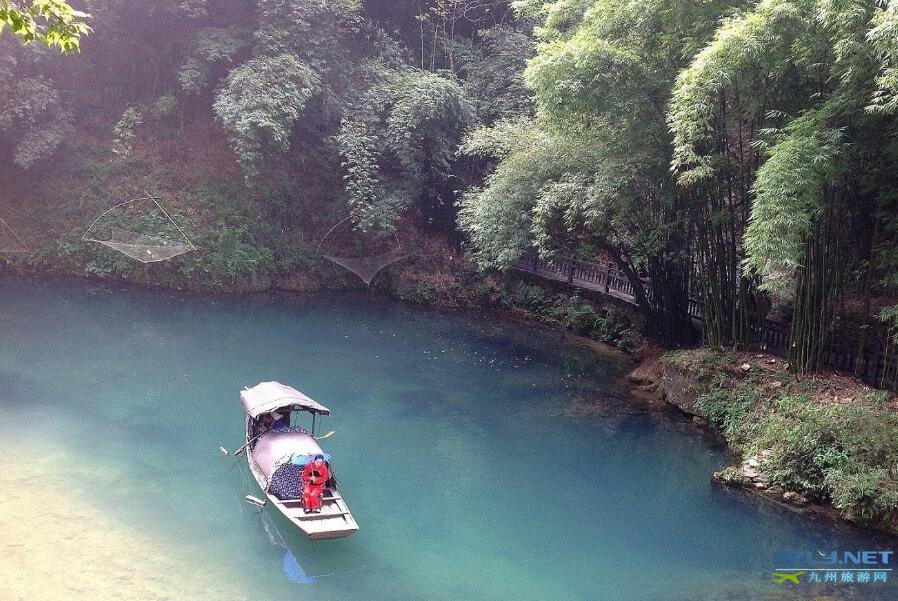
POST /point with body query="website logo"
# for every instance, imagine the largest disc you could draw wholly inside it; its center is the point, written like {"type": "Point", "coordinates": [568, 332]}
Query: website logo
{"type": "Point", "coordinates": [832, 567]}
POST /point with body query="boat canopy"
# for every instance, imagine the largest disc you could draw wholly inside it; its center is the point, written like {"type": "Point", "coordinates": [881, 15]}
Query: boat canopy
{"type": "Point", "coordinates": [277, 447]}
{"type": "Point", "coordinates": [271, 396]}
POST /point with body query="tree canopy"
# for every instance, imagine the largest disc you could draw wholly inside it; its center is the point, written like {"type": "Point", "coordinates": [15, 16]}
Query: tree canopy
{"type": "Point", "coordinates": [51, 22]}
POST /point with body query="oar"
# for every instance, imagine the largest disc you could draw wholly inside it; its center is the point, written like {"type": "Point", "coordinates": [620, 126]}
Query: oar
{"type": "Point", "coordinates": [242, 448]}
{"type": "Point", "coordinates": [255, 501]}
{"type": "Point", "coordinates": [328, 435]}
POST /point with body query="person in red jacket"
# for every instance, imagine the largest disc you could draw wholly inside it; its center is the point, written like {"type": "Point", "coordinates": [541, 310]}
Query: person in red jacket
{"type": "Point", "coordinates": [314, 476]}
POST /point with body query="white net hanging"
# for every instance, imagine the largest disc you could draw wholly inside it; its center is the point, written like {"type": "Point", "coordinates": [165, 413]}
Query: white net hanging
{"type": "Point", "coordinates": [366, 266]}
{"type": "Point", "coordinates": [141, 247]}
{"type": "Point", "coordinates": [10, 241]}
{"type": "Point", "coordinates": [145, 248]}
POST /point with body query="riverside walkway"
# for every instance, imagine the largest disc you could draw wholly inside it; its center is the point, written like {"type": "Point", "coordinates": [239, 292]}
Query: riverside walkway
{"type": "Point", "coordinates": [877, 366]}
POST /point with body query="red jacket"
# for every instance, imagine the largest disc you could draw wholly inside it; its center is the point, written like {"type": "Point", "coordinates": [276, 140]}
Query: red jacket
{"type": "Point", "coordinates": [316, 476]}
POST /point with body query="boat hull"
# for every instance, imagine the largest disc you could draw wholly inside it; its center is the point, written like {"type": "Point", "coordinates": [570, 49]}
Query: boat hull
{"type": "Point", "coordinates": [333, 521]}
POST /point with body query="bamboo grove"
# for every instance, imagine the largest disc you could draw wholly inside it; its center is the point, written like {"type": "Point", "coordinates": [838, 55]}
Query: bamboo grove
{"type": "Point", "coordinates": [738, 153]}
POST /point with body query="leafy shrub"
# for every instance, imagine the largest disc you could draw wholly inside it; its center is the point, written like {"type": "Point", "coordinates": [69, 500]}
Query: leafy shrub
{"type": "Point", "coordinates": [123, 132]}
{"type": "Point", "coordinates": [484, 292]}
{"type": "Point", "coordinates": [531, 298]}
{"type": "Point", "coordinates": [165, 106]}
{"type": "Point", "coordinates": [847, 454]}
{"type": "Point", "coordinates": [729, 410]}
{"type": "Point", "coordinates": [578, 315]}
{"type": "Point", "coordinates": [612, 327]}
{"type": "Point", "coordinates": [422, 292]}
{"type": "Point", "coordinates": [228, 256]}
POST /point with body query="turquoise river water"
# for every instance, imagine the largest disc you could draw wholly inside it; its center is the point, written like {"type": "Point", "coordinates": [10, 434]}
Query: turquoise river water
{"type": "Point", "coordinates": [461, 446]}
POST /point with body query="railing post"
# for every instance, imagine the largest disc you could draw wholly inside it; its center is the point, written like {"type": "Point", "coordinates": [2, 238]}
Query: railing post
{"type": "Point", "coordinates": [570, 272]}
{"type": "Point", "coordinates": [607, 275]}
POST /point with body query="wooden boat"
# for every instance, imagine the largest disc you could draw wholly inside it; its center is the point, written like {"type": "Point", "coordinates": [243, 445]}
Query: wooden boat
{"type": "Point", "coordinates": [277, 453]}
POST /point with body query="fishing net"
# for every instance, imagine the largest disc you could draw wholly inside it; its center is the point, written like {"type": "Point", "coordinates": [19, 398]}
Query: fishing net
{"type": "Point", "coordinates": [10, 242]}
{"type": "Point", "coordinates": [141, 247]}
{"type": "Point", "coordinates": [374, 253]}
{"type": "Point", "coordinates": [145, 248]}
{"type": "Point", "coordinates": [367, 267]}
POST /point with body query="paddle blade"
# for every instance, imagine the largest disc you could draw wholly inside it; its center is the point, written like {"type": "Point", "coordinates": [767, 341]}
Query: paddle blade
{"type": "Point", "coordinates": [255, 501]}
{"type": "Point", "coordinates": [223, 451]}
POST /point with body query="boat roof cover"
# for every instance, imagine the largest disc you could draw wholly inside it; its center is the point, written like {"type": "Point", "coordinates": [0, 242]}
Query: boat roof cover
{"type": "Point", "coordinates": [271, 396]}
{"type": "Point", "coordinates": [275, 447]}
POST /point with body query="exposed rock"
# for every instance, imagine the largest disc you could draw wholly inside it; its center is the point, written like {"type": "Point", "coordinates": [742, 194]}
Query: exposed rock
{"type": "Point", "coordinates": [750, 473]}
{"type": "Point", "coordinates": [699, 421]}
{"type": "Point", "coordinates": [795, 498]}
{"type": "Point", "coordinates": [745, 367]}
{"type": "Point", "coordinates": [681, 387]}
{"type": "Point", "coordinates": [730, 475]}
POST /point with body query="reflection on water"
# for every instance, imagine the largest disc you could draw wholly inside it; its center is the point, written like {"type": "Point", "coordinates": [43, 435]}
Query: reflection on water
{"type": "Point", "coordinates": [462, 447]}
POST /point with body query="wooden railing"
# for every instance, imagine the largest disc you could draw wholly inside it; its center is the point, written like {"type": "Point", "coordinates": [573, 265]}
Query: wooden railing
{"type": "Point", "coordinates": [877, 369]}
{"type": "Point", "coordinates": [600, 277]}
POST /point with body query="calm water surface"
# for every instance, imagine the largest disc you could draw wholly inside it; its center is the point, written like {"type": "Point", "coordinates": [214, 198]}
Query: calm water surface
{"type": "Point", "coordinates": [456, 445]}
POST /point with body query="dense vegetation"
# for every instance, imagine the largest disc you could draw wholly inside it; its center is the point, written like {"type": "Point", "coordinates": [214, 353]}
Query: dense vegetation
{"type": "Point", "coordinates": [741, 154]}
{"type": "Point", "coordinates": [821, 438]}
{"type": "Point", "coordinates": [738, 152]}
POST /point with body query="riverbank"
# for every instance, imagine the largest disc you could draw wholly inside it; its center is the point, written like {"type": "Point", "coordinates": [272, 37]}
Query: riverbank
{"type": "Point", "coordinates": [255, 238]}
{"type": "Point", "coordinates": [434, 275]}
{"type": "Point", "coordinates": [824, 444]}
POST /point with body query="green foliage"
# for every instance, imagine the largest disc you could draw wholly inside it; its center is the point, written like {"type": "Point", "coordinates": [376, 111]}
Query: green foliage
{"type": "Point", "coordinates": [32, 115]}
{"type": "Point", "coordinates": [261, 101]}
{"type": "Point", "coordinates": [742, 50]}
{"type": "Point", "coordinates": [209, 48]}
{"type": "Point", "coordinates": [493, 72]}
{"type": "Point", "coordinates": [532, 298]}
{"type": "Point", "coordinates": [791, 78]}
{"type": "Point", "coordinates": [398, 143]}
{"type": "Point", "coordinates": [847, 454]}
{"type": "Point", "coordinates": [889, 315]}
{"type": "Point", "coordinates": [578, 315]}
{"type": "Point", "coordinates": [310, 29]}
{"type": "Point", "coordinates": [789, 190]}
{"type": "Point", "coordinates": [424, 293]}
{"type": "Point", "coordinates": [233, 255]}
{"type": "Point", "coordinates": [123, 132]}
{"type": "Point", "coordinates": [729, 410]}
{"type": "Point", "coordinates": [498, 217]}
{"type": "Point", "coordinates": [51, 22]}
{"type": "Point", "coordinates": [236, 243]}
{"type": "Point", "coordinates": [882, 36]}
{"type": "Point", "coordinates": [165, 106]}
{"type": "Point", "coordinates": [593, 166]}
